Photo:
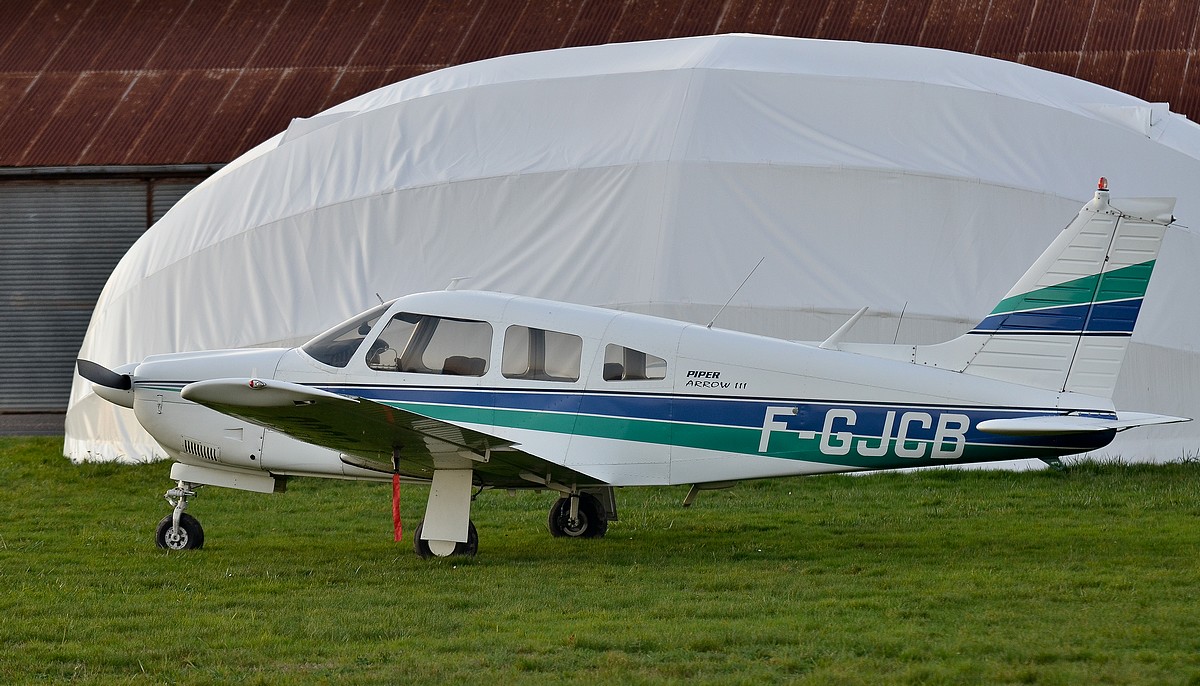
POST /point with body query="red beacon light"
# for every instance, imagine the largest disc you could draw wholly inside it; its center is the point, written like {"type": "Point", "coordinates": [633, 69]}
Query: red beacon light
{"type": "Point", "coordinates": [1102, 185]}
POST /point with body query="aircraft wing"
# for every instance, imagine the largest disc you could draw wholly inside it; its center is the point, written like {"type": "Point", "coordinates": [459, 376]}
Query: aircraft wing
{"type": "Point", "coordinates": [1053, 425]}
{"type": "Point", "coordinates": [365, 432]}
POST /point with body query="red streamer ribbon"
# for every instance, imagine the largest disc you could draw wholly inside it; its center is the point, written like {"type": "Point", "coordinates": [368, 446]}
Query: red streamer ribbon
{"type": "Point", "coordinates": [396, 506]}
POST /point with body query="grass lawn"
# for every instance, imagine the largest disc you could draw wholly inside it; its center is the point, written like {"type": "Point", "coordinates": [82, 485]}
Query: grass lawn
{"type": "Point", "coordinates": [1090, 575]}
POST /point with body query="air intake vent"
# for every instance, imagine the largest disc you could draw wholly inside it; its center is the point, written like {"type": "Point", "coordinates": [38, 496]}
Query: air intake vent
{"type": "Point", "coordinates": [202, 450]}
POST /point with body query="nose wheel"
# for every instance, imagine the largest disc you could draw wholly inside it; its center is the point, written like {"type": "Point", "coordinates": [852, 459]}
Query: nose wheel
{"type": "Point", "coordinates": [189, 535]}
{"type": "Point", "coordinates": [179, 530]}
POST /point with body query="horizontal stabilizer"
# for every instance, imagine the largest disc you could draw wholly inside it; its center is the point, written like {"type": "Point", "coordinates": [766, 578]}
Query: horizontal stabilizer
{"type": "Point", "coordinates": [1054, 425]}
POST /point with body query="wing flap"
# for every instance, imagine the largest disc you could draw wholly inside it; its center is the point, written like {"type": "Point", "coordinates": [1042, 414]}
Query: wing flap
{"type": "Point", "coordinates": [1057, 425]}
{"type": "Point", "coordinates": [366, 432]}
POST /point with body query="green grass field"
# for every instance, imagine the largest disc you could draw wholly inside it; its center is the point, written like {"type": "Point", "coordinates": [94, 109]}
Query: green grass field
{"type": "Point", "coordinates": [1085, 576]}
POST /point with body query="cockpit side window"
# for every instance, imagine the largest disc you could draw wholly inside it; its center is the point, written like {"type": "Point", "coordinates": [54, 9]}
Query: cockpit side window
{"type": "Point", "coordinates": [336, 346]}
{"type": "Point", "coordinates": [541, 355]}
{"type": "Point", "coordinates": [627, 364]}
{"type": "Point", "coordinates": [427, 344]}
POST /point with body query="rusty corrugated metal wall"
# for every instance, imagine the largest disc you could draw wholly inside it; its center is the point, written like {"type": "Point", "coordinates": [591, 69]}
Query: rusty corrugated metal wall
{"type": "Point", "coordinates": [135, 82]}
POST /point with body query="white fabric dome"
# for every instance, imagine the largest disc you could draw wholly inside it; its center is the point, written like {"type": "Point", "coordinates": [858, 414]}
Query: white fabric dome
{"type": "Point", "coordinates": [652, 177]}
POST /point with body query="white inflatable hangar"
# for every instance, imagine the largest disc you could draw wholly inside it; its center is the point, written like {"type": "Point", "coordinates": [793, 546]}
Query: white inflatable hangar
{"type": "Point", "coordinates": [653, 177]}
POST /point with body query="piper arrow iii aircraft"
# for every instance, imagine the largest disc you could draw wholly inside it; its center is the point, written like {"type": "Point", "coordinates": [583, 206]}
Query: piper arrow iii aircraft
{"type": "Point", "coordinates": [478, 390]}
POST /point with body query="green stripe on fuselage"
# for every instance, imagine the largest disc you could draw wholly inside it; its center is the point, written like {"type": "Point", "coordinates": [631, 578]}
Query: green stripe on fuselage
{"type": "Point", "coordinates": [1119, 284]}
{"type": "Point", "coordinates": [729, 439]}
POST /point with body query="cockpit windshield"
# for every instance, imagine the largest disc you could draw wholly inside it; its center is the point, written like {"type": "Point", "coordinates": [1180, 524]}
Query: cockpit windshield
{"type": "Point", "coordinates": [336, 346]}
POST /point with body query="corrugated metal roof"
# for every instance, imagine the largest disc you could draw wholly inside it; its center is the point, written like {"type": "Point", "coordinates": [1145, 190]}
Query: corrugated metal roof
{"type": "Point", "coordinates": [110, 82]}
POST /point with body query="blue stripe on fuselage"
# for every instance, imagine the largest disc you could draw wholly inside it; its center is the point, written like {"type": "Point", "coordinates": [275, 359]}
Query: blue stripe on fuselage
{"type": "Point", "coordinates": [920, 422]}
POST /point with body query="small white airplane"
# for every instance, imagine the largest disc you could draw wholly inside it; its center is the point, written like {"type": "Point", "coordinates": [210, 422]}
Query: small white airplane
{"type": "Point", "coordinates": [471, 389]}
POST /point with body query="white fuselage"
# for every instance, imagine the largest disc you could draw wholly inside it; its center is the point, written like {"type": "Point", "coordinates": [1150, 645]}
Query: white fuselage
{"type": "Point", "coordinates": [652, 401]}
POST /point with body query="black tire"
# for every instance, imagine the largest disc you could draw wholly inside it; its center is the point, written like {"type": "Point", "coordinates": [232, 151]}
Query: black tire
{"type": "Point", "coordinates": [190, 537]}
{"type": "Point", "coordinates": [468, 549]}
{"type": "Point", "coordinates": [590, 524]}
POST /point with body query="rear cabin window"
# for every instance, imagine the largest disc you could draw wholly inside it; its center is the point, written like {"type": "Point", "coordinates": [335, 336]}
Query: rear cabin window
{"type": "Point", "coordinates": [425, 344]}
{"type": "Point", "coordinates": [541, 355]}
{"type": "Point", "coordinates": [627, 364]}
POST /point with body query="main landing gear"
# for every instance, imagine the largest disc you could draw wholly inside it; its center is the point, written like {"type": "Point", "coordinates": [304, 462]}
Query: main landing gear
{"type": "Point", "coordinates": [179, 530]}
{"type": "Point", "coordinates": [461, 549]}
{"type": "Point", "coordinates": [578, 516]}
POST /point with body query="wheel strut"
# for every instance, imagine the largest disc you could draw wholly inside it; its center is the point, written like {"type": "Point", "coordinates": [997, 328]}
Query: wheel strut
{"type": "Point", "coordinates": [574, 515]}
{"type": "Point", "coordinates": [178, 498]}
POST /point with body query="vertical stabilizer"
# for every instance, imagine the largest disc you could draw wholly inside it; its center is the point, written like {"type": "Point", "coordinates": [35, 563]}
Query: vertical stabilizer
{"type": "Point", "coordinates": [1066, 324]}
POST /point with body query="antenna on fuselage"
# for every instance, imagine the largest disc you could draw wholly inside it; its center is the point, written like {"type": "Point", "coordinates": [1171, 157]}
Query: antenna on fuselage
{"type": "Point", "coordinates": [899, 322]}
{"type": "Point", "coordinates": [454, 282]}
{"type": "Point", "coordinates": [377, 295]}
{"type": "Point", "coordinates": [834, 339]}
{"type": "Point", "coordinates": [735, 292]}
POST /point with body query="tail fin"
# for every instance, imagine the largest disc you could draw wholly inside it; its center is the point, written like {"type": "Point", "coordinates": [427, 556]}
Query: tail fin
{"type": "Point", "coordinates": [1066, 324]}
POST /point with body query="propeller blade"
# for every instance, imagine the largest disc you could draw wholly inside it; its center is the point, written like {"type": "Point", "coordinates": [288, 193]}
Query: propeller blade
{"type": "Point", "coordinates": [104, 376]}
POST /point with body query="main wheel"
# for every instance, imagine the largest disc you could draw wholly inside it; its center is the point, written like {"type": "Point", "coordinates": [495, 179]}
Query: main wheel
{"type": "Point", "coordinates": [467, 549]}
{"type": "Point", "coordinates": [189, 537]}
{"type": "Point", "coordinates": [590, 523]}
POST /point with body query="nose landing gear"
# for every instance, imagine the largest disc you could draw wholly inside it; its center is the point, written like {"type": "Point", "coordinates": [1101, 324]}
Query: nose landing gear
{"type": "Point", "coordinates": [179, 530]}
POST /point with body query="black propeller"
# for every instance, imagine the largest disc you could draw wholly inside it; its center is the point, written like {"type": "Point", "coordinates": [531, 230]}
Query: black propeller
{"type": "Point", "coordinates": [104, 376]}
